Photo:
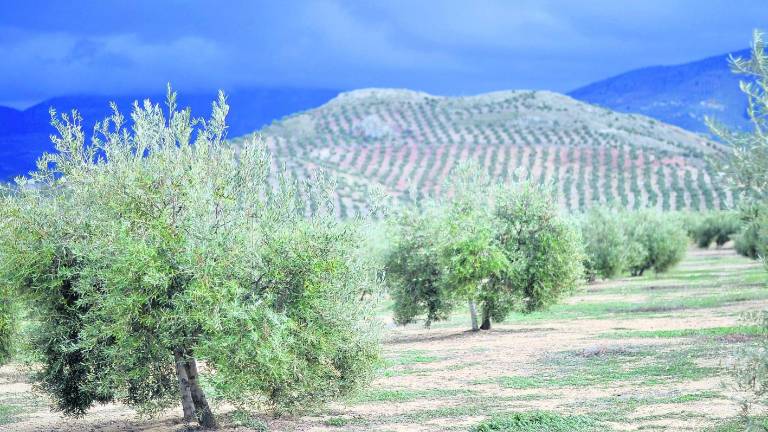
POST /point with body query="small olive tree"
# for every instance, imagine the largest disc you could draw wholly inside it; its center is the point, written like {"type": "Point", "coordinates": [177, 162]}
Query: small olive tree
{"type": "Point", "coordinates": [159, 248]}
{"type": "Point", "coordinates": [473, 260]}
{"type": "Point", "coordinates": [717, 227]}
{"type": "Point", "coordinates": [656, 241]}
{"type": "Point", "coordinates": [503, 248]}
{"type": "Point", "coordinates": [605, 242]}
{"type": "Point", "coordinates": [544, 248]}
{"type": "Point", "coordinates": [413, 267]}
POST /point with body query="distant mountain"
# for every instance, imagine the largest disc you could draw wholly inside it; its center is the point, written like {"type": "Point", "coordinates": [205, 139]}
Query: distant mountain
{"type": "Point", "coordinates": [406, 141]}
{"type": "Point", "coordinates": [24, 135]}
{"type": "Point", "coordinates": [681, 95]}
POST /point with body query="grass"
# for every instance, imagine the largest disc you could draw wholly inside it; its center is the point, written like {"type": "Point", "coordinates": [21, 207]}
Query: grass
{"type": "Point", "coordinates": [8, 413]}
{"type": "Point", "coordinates": [636, 368]}
{"type": "Point", "coordinates": [740, 425]}
{"type": "Point", "coordinates": [405, 395]}
{"type": "Point", "coordinates": [537, 421]}
{"type": "Point", "coordinates": [412, 357]}
{"type": "Point", "coordinates": [696, 332]}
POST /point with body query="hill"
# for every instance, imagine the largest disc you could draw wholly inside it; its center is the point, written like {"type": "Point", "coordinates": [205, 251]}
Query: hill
{"type": "Point", "coordinates": [403, 139]}
{"type": "Point", "coordinates": [24, 135]}
{"type": "Point", "coordinates": [681, 95]}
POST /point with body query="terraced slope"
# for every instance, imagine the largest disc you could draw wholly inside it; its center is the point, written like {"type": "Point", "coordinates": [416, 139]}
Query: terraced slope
{"type": "Point", "coordinates": [407, 140]}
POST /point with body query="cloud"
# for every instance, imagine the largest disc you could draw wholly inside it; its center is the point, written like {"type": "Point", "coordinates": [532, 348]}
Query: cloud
{"type": "Point", "coordinates": [442, 46]}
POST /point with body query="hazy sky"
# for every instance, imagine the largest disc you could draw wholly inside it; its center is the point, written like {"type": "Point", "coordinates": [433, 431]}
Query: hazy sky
{"type": "Point", "coordinates": [50, 48]}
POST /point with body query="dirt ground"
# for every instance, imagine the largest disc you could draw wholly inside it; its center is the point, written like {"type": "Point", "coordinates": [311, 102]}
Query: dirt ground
{"type": "Point", "coordinates": [628, 354]}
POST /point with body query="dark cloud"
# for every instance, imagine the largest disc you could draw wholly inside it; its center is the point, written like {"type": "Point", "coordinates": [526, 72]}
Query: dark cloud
{"type": "Point", "coordinates": [443, 46]}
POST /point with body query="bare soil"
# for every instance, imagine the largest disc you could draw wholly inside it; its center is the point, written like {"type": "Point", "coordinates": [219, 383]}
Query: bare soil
{"type": "Point", "coordinates": [447, 378]}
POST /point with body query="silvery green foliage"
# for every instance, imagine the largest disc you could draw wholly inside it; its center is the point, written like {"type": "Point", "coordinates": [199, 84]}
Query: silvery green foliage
{"type": "Point", "coordinates": [414, 268]}
{"type": "Point", "coordinates": [749, 159]}
{"type": "Point", "coordinates": [656, 241]}
{"type": "Point", "coordinates": [605, 242]}
{"type": "Point", "coordinates": [748, 162]}
{"type": "Point", "coordinates": [160, 237]}
{"type": "Point", "coordinates": [749, 370]}
{"type": "Point", "coordinates": [746, 170]}
{"type": "Point", "coordinates": [717, 227]}
{"type": "Point", "coordinates": [545, 244]}
{"type": "Point", "coordinates": [503, 247]}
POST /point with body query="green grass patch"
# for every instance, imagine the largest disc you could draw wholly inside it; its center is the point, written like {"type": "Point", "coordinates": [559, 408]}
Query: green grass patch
{"type": "Point", "coordinates": [337, 421]}
{"type": "Point", "coordinates": [740, 425]}
{"type": "Point", "coordinates": [700, 332]}
{"type": "Point", "coordinates": [8, 413]}
{"type": "Point", "coordinates": [637, 368]}
{"type": "Point", "coordinates": [537, 421]}
{"type": "Point", "coordinates": [378, 395]}
{"type": "Point", "coordinates": [412, 357]}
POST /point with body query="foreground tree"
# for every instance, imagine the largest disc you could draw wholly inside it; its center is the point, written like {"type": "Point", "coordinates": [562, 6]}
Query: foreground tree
{"type": "Point", "coordinates": [748, 162]}
{"type": "Point", "coordinates": [157, 250]}
{"type": "Point", "coordinates": [746, 169]}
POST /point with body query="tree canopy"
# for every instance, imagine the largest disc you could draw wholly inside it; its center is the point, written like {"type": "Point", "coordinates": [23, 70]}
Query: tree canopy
{"type": "Point", "coordinates": [164, 262]}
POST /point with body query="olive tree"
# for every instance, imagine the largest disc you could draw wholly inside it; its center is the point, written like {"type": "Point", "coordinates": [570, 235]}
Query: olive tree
{"type": "Point", "coordinates": [746, 169]}
{"type": "Point", "coordinates": [747, 163]}
{"type": "Point", "coordinates": [473, 261]}
{"type": "Point", "coordinates": [717, 227]}
{"type": "Point", "coordinates": [502, 248]}
{"type": "Point", "coordinates": [413, 266]}
{"type": "Point", "coordinates": [544, 248]}
{"type": "Point", "coordinates": [656, 241]}
{"type": "Point", "coordinates": [165, 264]}
{"type": "Point", "coordinates": [605, 242]}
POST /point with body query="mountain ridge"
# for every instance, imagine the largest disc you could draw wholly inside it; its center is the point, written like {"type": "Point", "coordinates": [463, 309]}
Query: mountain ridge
{"type": "Point", "coordinates": [24, 134]}
{"type": "Point", "coordinates": [682, 94]}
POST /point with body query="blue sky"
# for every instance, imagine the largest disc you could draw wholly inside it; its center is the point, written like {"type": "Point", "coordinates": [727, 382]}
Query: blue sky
{"type": "Point", "coordinates": [51, 48]}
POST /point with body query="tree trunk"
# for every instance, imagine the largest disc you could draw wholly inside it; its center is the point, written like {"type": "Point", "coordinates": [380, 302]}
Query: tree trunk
{"type": "Point", "coordinates": [486, 319]}
{"type": "Point", "coordinates": [193, 400]}
{"type": "Point", "coordinates": [473, 315]}
{"type": "Point", "coordinates": [187, 404]}
{"type": "Point", "coordinates": [206, 418]}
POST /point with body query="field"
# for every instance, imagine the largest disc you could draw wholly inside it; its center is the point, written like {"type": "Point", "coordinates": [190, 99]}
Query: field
{"type": "Point", "coordinates": [408, 142]}
{"type": "Point", "coordinates": [629, 354]}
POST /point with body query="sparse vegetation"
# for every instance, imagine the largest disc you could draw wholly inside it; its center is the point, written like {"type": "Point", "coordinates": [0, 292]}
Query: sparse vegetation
{"type": "Point", "coordinates": [537, 421]}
